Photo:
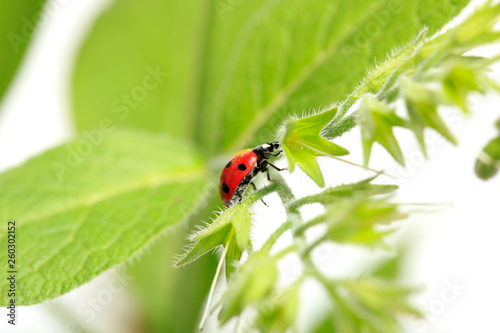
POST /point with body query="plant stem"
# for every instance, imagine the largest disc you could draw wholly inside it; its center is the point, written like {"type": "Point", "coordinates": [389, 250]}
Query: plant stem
{"type": "Point", "coordinates": [300, 230]}
{"type": "Point", "coordinates": [214, 282]}
{"type": "Point", "coordinates": [275, 235]}
{"type": "Point", "coordinates": [285, 251]}
{"type": "Point", "coordinates": [313, 245]}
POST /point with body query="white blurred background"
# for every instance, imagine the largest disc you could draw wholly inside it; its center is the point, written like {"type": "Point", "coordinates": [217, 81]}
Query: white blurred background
{"type": "Point", "coordinates": [455, 251]}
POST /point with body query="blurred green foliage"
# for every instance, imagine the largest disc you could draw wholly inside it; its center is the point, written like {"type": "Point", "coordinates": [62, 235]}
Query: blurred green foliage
{"type": "Point", "coordinates": [488, 161]}
{"type": "Point", "coordinates": [18, 21]}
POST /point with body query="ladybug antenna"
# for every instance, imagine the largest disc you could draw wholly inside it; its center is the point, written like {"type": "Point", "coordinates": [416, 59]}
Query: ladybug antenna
{"type": "Point", "coordinates": [206, 312]}
{"type": "Point", "coordinates": [364, 167]}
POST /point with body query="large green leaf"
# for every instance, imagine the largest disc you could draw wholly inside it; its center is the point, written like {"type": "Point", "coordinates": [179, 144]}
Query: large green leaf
{"type": "Point", "coordinates": [119, 193]}
{"type": "Point", "coordinates": [169, 297]}
{"type": "Point", "coordinates": [293, 55]}
{"type": "Point", "coordinates": [130, 41]}
{"type": "Point", "coordinates": [18, 20]}
{"type": "Point", "coordinates": [235, 73]}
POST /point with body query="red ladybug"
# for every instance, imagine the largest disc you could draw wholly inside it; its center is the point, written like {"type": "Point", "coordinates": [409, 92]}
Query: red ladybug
{"type": "Point", "coordinates": [242, 169]}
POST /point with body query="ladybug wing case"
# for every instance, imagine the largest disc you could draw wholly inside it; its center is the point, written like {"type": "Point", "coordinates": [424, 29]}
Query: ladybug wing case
{"type": "Point", "coordinates": [234, 172]}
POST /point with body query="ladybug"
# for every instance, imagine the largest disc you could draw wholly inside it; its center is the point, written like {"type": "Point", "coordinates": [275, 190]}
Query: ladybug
{"type": "Point", "coordinates": [239, 172]}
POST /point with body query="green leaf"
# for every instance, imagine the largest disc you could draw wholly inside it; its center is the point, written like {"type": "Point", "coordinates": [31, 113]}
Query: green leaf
{"type": "Point", "coordinates": [422, 103]}
{"type": "Point", "coordinates": [294, 55]}
{"type": "Point", "coordinates": [377, 120]}
{"type": "Point", "coordinates": [327, 325]}
{"type": "Point", "coordinates": [147, 77]}
{"type": "Point", "coordinates": [162, 293]}
{"type": "Point", "coordinates": [232, 80]}
{"type": "Point", "coordinates": [18, 20]}
{"type": "Point", "coordinates": [478, 29]}
{"type": "Point", "coordinates": [375, 294]}
{"type": "Point", "coordinates": [302, 143]}
{"type": "Point", "coordinates": [333, 194]}
{"type": "Point", "coordinates": [205, 244]}
{"type": "Point", "coordinates": [236, 220]}
{"type": "Point", "coordinates": [463, 77]}
{"type": "Point", "coordinates": [369, 304]}
{"type": "Point", "coordinates": [97, 202]}
{"type": "Point", "coordinates": [255, 281]}
{"type": "Point", "coordinates": [357, 221]}
{"type": "Point", "coordinates": [279, 312]}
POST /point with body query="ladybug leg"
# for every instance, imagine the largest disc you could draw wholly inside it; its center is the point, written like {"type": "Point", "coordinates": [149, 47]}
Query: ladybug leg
{"type": "Point", "coordinates": [277, 154]}
{"type": "Point", "coordinates": [275, 167]}
{"type": "Point", "coordinates": [239, 195]}
{"type": "Point", "coordinates": [255, 188]}
{"type": "Point", "coordinates": [269, 176]}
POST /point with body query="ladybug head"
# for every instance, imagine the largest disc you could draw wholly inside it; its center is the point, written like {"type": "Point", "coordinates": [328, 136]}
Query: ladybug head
{"type": "Point", "coordinates": [266, 150]}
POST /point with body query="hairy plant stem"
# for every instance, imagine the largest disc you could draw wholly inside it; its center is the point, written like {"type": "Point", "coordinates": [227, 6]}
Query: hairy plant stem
{"type": "Point", "coordinates": [300, 231]}
{"type": "Point", "coordinates": [375, 83]}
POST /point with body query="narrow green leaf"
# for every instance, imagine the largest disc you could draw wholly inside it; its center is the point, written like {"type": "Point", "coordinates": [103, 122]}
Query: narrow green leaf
{"type": "Point", "coordinates": [97, 202]}
{"type": "Point", "coordinates": [333, 194]}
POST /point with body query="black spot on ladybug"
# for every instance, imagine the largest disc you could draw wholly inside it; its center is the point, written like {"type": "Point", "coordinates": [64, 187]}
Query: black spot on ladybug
{"type": "Point", "coordinates": [242, 167]}
{"type": "Point", "coordinates": [228, 164]}
{"type": "Point", "coordinates": [224, 188]}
